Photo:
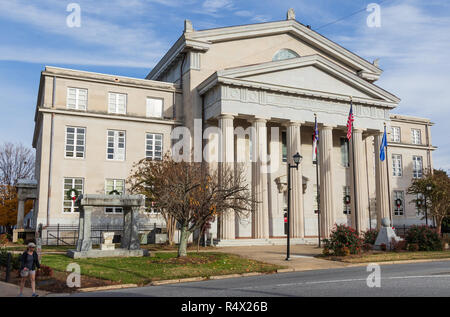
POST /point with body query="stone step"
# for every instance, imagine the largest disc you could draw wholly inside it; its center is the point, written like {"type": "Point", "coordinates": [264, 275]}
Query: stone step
{"type": "Point", "coordinates": [256, 242]}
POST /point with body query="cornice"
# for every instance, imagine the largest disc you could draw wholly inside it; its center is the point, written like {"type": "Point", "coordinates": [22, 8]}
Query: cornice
{"type": "Point", "coordinates": [110, 79]}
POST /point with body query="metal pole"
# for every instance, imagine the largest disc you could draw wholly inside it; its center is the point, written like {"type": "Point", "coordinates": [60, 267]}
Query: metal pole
{"type": "Point", "coordinates": [389, 185]}
{"type": "Point", "coordinates": [8, 267]}
{"type": "Point", "coordinates": [318, 198]}
{"type": "Point", "coordinates": [354, 184]}
{"type": "Point", "coordinates": [426, 211]}
{"type": "Point", "coordinates": [288, 251]}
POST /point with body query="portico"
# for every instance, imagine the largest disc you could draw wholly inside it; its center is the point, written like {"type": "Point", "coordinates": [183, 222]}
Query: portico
{"type": "Point", "coordinates": [233, 98]}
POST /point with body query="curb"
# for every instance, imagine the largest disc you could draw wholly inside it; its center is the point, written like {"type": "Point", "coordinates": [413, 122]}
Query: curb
{"type": "Point", "coordinates": [397, 262]}
{"type": "Point", "coordinates": [105, 288]}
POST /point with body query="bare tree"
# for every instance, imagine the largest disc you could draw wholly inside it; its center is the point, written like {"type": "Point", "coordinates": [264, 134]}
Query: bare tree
{"type": "Point", "coordinates": [192, 193]}
{"type": "Point", "coordinates": [16, 162]}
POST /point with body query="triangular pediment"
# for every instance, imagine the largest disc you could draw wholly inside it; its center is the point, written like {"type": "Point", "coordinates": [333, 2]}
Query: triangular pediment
{"type": "Point", "coordinates": [310, 73]}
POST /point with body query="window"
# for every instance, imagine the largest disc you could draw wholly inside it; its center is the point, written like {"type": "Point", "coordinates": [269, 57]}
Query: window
{"type": "Point", "coordinates": [70, 184]}
{"type": "Point", "coordinates": [346, 204]}
{"type": "Point", "coordinates": [117, 103]}
{"type": "Point", "coordinates": [119, 186]}
{"type": "Point", "coordinates": [77, 98]}
{"type": "Point", "coordinates": [416, 136]}
{"type": "Point", "coordinates": [417, 166]}
{"type": "Point", "coordinates": [150, 206]}
{"type": "Point", "coordinates": [395, 134]}
{"type": "Point", "coordinates": [75, 142]}
{"type": "Point", "coordinates": [116, 145]}
{"type": "Point", "coordinates": [153, 146]}
{"type": "Point", "coordinates": [344, 152]}
{"type": "Point", "coordinates": [284, 54]}
{"type": "Point", "coordinates": [398, 208]}
{"type": "Point", "coordinates": [283, 147]}
{"type": "Point", "coordinates": [154, 107]}
{"type": "Point", "coordinates": [397, 165]}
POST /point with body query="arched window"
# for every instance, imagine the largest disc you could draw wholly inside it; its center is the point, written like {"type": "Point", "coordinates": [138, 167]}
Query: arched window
{"type": "Point", "coordinates": [283, 54]}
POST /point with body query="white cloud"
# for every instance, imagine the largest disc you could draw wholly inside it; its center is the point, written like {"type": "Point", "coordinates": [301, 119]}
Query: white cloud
{"type": "Point", "coordinates": [135, 41]}
{"type": "Point", "coordinates": [413, 44]}
{"type": "Point", "coordinates": [213, 6]}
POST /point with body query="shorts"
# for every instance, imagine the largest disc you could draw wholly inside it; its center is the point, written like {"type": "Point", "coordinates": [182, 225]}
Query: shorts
{"type": "Point", "coordinates": [24, 273]}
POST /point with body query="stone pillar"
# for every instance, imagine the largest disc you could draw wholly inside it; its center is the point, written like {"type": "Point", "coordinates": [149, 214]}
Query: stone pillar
{"type": "Point", "coordinates": [20, 213]}
{"type": "Point", "coordinates": [130, 238]}
{"type": "Point", "coordinates": [297, 225]}
{"type": "Point", "coordinates": [260, 219]}
{"type": "Point", "coordinates": [360, 215]}
{"type": "Point", "coordinates": [84, 242]}
{"type": "Point", "coordinates": [226, 158]}
{"type": "Point", "coordinates": [327, 208]}
{"type": "Point", "coordinates": [381, 182]}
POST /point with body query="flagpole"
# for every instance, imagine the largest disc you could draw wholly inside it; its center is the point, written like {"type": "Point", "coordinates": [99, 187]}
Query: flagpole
{"type": "Point", "coordinates": [317, 180]}
{"type": "Point", "coordinates": [354, 176]}
{"type": "Point", "coordinates": [388, 179]}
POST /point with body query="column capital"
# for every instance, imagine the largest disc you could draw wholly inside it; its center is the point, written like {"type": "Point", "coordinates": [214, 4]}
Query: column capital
{"type": "Point", "coordinates": [257, 119]}
{"type": "Point", "coordinates": [293, 123]}
{"type": "Point", "coordinates": [358, 130]}
{"type": "Point", "coordinates": [327, 127]}
{"type": "Point", "coordinates": [226, 116]}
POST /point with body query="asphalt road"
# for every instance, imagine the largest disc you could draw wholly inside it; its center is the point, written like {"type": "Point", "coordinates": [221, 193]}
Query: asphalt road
{"type": "Point", "coordinates": [416, 279]}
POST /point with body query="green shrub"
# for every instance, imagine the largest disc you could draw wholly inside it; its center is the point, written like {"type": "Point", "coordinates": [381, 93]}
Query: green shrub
{"type": "Point", "coordinates": [425, 237]}
{"type": "Point", "coordinates": [413, 247]}
{"type": "Point", "coordinates": [343, 240]}
{"type": "Point", "coordinates": [15, 259]}
{"type": "Point", "coordinates": [370, 236]}
{"type": "Point", "coordinates": [20, 241]}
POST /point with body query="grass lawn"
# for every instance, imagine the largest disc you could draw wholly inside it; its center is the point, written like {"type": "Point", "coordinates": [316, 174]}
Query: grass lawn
{"type": "Point", "coordinates": [161, 266]}
{"type": "Point", "coordinates": [379, 256]}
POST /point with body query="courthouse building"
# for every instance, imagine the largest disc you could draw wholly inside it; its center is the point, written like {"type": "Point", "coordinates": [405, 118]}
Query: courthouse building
{"type": "Point", "coordinates": [91, 128]}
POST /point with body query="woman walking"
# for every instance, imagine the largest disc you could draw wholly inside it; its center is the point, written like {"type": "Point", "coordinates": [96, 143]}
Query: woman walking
{"type": "Point", "coordinates": [29, 261]}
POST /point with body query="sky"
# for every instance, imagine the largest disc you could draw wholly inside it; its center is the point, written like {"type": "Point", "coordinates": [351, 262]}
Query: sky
{"type": "Point", "coordinates": [128, 37]}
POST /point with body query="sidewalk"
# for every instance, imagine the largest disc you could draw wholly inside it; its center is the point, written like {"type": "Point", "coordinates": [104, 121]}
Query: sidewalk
{"type": "Point", "coordinates": [12, 290]}
{"type": "Point", "coordinates": [302, 256]}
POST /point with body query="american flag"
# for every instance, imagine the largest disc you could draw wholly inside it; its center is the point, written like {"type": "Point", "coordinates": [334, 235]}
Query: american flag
{"type": "Point", "coordinates": [350, 120]}
{"type": "Point", "coordinates": [315, 140]}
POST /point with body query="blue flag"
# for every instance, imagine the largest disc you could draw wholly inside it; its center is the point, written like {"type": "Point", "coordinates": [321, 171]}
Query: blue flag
{"type": "Point", "coordinates": [383, 146]}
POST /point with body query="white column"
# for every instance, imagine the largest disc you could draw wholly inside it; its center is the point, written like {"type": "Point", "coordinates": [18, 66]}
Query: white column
{"type": "Point", "coordinates": [227, 226]}
{"type": "Point", "coordinates": [260, 219]}
{"type": "Point", "coordinates": [360, 215]}
{"type": "Point", "coordinates": [381, 182]}
{"type": "Point", "coordinates": [327, 212]}
{"type": "Point", "coordinates": [297, 224]}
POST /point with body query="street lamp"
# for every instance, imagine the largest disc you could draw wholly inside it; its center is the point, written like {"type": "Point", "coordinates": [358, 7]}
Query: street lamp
{"type": "Point", "coordinates": [297, 158]}
{"type": "Point", "coordinates": [428, 190]}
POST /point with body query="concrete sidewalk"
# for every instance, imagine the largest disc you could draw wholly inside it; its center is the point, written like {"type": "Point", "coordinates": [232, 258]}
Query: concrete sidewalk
{"type": "Point", "coordinates": [302, 256]}
{"type": "Point", "coordinates": [12, 290]}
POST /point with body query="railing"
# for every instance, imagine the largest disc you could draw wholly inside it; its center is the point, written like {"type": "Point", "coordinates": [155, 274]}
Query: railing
{"type": "Point", "coordinates": [60, 235]}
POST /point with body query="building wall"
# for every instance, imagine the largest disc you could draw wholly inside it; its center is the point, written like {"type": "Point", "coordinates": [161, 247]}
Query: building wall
{"type": "Point", "coordinates": [94, 168]}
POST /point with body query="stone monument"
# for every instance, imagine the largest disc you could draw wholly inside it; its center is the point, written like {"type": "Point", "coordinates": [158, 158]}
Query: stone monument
{"type": "Point", "coordinates": [130, 245]}
{"type": "Point", "coordinates": [385, 235]}
{"type": "Point", "coordinates": [107, 238]}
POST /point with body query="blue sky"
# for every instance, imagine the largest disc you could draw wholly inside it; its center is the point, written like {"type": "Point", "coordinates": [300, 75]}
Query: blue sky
{"type": "Point", "coordinates": [127, 37]}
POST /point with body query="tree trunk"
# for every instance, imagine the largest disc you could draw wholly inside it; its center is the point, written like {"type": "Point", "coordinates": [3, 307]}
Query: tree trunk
{"type": "Point", "coordinates": [182, 248]}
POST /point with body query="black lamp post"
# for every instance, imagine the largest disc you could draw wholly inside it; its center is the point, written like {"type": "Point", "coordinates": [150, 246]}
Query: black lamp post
{"type": "Point", "coordinates": [297, 159]}
{"type": "Point", "coordinates": [428, 190]}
